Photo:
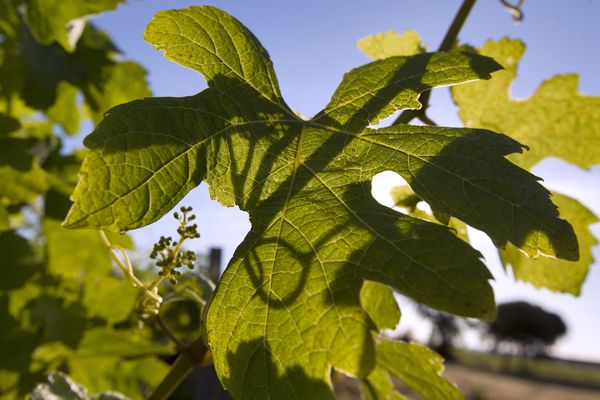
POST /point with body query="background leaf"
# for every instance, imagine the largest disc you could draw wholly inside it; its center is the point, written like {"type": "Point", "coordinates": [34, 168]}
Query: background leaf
{"type": "Point", "coordinates": [391, 43]}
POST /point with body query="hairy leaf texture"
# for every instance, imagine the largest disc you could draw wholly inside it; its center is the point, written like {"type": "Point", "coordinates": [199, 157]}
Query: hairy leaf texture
{"type": "Point", "coordinates": [288, 307]}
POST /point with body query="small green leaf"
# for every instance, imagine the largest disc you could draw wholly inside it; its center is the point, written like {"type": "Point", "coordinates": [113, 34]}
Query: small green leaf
{"type": "Point", "coordinates": [127, 377]}
{"type": "Point", "coordinates": [9, 19]}
{"type": "Point", "coordinates": [410, 203]}
{"type": "Point", "coordinates": [418, 367]}
{"type": "Point", "coordinates": [379, 302]}
{"type": "Point", "coordinates": [391, 43]}
{"type": "Point", "coordinates": [379, 386]}
{"type": "Point", "coordinates": [58, 319]}
{"type": "Point", "coordinates": [51, 75]}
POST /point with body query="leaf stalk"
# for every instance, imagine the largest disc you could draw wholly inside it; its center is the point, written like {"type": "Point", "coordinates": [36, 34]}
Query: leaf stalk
{"type": "Point", "coordinates": [447, 44]}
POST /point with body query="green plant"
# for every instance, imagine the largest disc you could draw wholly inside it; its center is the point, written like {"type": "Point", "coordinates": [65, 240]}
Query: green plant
{"type": "Point", "coordinates": [293, 302]}
{"type": "Point", "coordinates": [311, 287]}
{"type": "Point", "coordinates": [58, 287]}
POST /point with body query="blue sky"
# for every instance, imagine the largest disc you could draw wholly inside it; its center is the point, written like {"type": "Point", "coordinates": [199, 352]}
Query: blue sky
{"type": "Point", "coordinates": [312, 44]}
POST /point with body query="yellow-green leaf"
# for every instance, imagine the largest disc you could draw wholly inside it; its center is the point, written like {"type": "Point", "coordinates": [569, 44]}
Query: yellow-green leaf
{"type": "Point", "coordinates": [553, 274]}
{"type": "Point", "coordinates": [556, 121]}
{"type": "Point", "coordinates": [288, 307]}
{"type": "Point", "coordinates": [391, 43]}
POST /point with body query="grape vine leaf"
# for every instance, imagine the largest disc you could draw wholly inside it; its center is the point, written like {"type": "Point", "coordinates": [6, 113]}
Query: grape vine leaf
{"type": "Point", "coordinates": [287, 309]}
{"type": "Point", "coordinates": [391, 43]}
{"type": "Point", "coordinates": [53, 20]}
{"type": "Point", "coordinates": [378, 301]}
{"type": "Point", "coordinates": [416, 366]}
{"type": "Point", "coordinates": [410, 203]}
{"type": "Point", "coordinates": [556, 121]}
{"type": "Point", "coordinates": [550, 273]}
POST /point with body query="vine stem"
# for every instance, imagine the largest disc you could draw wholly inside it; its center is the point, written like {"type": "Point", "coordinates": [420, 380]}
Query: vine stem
{"type": "Point", "coordinates": [447, 43]}
{"type": "Point", "coordinates": [168, 332]}
{"type": "Point", "coordinates": [190, 356]}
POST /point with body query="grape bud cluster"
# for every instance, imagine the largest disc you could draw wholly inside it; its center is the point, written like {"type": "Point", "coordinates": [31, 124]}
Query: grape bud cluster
{"type": "Point", "coordinates": [168, 252]}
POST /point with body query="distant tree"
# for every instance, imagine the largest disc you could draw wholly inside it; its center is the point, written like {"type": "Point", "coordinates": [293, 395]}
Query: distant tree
{"type": "Point", "coordinates": [525, 329]}
{"type": "Point", "coordinates": [445, 330]}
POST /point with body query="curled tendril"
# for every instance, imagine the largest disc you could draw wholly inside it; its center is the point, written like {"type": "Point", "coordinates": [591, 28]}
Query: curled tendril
{"type": "Point", "coordinates": [514, 9]}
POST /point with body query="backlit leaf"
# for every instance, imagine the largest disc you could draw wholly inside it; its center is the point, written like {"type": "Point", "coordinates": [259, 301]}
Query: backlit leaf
{"type": "Point", "coordinates": [288, 306]}
{"type": "Point", "coordinates": [379, 302]}
{"type": "Point", "coordinates": [391, 43]}
{"type": "Point", "coordinates": [553, 274]}
{"type": "Point", "coordinates": [556, 121]}
{"type": "Point", "coordinates": [416, 366]}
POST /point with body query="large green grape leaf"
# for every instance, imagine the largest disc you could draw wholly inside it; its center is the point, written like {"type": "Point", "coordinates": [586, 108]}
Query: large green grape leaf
{"type": "Point", "coordinates": [49, 20]}
{"type": "Point", "coordinates": [287, 308]}
{"type": "Point", "coordinates": [556, 121]}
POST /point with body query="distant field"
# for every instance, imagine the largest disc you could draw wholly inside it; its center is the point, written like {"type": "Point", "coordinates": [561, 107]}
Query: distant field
{"type": "Point", "coordinates": [548, 370]}
{"type": "Point", "coordinates": [478, 384]}
{"type": "Point", "coordinates": [483, 376]}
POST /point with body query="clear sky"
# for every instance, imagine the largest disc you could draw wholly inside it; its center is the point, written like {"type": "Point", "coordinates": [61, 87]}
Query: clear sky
{"type": "Point", "coordinates": [312, 44]}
